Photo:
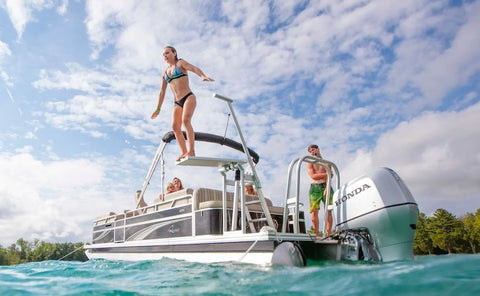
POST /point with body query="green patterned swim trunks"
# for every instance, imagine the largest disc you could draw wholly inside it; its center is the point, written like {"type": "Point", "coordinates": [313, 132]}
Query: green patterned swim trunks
{"type": "Point", "coordinates": [316, 196]}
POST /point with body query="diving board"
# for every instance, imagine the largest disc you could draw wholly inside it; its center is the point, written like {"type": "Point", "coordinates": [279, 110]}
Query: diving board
{"type": "Point", "coordinates": [208, 161]}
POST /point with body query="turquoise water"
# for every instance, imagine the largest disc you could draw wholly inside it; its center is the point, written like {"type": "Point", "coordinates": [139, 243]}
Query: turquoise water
{"type": "Point", "coordinates": [426, 275]}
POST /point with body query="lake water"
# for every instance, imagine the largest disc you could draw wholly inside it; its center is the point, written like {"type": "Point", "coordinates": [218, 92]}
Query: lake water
{"type": "Point", "coordinates": [426, 275]}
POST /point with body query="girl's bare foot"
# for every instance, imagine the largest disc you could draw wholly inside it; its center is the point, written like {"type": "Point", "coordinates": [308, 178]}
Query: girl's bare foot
{"type": "Point", "coordinates": [182, 156]}
{"type": "Point", "coordinates": [191, 153]}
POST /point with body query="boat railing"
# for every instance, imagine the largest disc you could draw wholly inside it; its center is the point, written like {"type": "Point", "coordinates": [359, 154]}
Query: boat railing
{"type": "Point", "coordinates": [199, 199]}
{"type": "Point", "coordinates": [120, 220]}
{"type": "Point", "coordinates": [103, 219]}
{"type": "Point", "coordinates": [292, 203]}
{"type": "Point", "coordinates": [171, 203]}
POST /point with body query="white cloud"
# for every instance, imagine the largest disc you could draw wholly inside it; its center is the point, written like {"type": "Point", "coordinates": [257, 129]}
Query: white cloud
{"type": "Point", "coordinates": [103, 22]}
{"type": "Point", "coordinates": [454, 66]}
{"type": "Point", "coordinates": [58, 199]}
{"type": "Point", "coordinates": [438, 156]}
{"type": "Point", "coordinates": [4, 53]}
{"type": "Point", "coordinates": [21, 11]}
{"type": "Point", "coordinates": [24, 150]}
{"type": "Point", "coordinates": [435, 54]}
{"type": "Point", "coordinates": [91, 81]}
{"type": "Point", "coordinates": [42, 199]}
{"type": "Point", "coordinates": [4, 50]}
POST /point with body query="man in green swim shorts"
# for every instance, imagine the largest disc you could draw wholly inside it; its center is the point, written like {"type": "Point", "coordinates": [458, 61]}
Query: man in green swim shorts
{"type": "Point", "coordinates": [318, 190]}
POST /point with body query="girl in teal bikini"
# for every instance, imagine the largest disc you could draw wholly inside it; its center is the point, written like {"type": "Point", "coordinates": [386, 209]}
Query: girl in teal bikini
{"type": "Point", "coordinates": [185, 101]}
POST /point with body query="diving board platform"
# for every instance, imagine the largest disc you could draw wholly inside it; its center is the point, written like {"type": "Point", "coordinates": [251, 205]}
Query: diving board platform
{"type": "Point", "coordinates": [208, 161]}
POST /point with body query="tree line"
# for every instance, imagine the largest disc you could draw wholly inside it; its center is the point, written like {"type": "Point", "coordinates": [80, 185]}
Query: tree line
{"type": "Point", "coordinates": [23, 251]}
{"type": "Point", "coordinates": [442, 233]}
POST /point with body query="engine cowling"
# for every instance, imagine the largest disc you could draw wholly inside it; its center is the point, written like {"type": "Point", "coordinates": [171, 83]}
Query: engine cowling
{"type": "Point", "coordinates": [381, 202]}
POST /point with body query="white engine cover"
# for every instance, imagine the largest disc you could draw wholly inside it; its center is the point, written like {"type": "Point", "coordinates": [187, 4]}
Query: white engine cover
{"type": "Point", "coordinates": [381, 202]}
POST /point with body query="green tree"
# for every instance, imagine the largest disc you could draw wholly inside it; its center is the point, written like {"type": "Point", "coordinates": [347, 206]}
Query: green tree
{"type": "Point", "coordinates": [13, 255]}
{"type": "Point", "coordinates": [43, 251]}
{"type": "Point", "coordinates": [422, 243]}
{"type": "Point", "coordinates": [469, 235]}
{"type": "Point", "coordinates": [3, 256]}
{"type": "Point", "coordinates": [471, 225]}
{"type": "Point", "coordinates": [25, 250]}
{"type": "Point", "coordinates": [446, 230]}
{"type": "Point", "coordinates": [476, 227]}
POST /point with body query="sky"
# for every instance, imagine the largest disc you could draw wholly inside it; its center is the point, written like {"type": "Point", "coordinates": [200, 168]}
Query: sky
{"type": "Point", "coordinates": [374, 83]}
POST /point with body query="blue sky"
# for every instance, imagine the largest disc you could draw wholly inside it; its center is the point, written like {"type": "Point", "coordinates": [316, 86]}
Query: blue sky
{"type": "Point", "coordinates": [373, 83]}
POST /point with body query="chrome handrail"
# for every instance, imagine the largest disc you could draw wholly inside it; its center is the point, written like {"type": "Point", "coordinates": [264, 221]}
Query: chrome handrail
{"type": "Point", "coordinates": [296, 205]}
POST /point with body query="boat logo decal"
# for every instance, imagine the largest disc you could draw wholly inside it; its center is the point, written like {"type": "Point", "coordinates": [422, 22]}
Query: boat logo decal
{"type": "Point", "coordinates": [173, 229]}
{"type": "Point", "coordinates": [351, 194]}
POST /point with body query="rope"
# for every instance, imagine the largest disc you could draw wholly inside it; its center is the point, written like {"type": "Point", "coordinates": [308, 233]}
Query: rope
{"type": "Point", "coordinates": [248, 250]}
{"type": "Point", "coordinates": [81, 247]}
{"type": "Point", "coordinates": [267, 228]}
{"type": "Point", "coordinates": [264, 229]}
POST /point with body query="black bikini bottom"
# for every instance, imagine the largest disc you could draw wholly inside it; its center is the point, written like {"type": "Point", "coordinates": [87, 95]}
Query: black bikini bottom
{"type": "Point", "coordinates": [181, 102]}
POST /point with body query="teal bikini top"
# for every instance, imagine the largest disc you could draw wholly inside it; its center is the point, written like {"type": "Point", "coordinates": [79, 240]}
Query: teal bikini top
{"type": "Point", "coordinates": [176, 73]}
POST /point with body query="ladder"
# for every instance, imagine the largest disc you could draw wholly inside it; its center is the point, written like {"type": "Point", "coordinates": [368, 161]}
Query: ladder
{"type": "Point", "coordinates": [238, 182]}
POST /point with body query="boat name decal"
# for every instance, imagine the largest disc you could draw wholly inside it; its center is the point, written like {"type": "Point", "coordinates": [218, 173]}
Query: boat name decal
{"type": "Point", "coordinates": [351, 194]}
{"type": "Point", "coordinates": [173, 229]}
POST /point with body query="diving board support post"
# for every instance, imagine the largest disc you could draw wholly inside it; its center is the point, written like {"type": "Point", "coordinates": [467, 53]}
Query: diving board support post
{"type": "Point", "coordinates": [258, 186]}
{"type": "Point", "coordinates": [224, 165]}
{"type": "Point", "coordinates": [153, 166]}
{"type": "Point", "coordinates": [224, 201]}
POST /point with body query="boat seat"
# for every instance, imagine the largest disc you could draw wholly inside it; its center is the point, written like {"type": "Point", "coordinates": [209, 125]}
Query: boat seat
{"type": "Point", "coordinates": [173, 195]}
{"type": "Point", "coordinates": [217, 204]}
{"type": "Point", "coordinates": [206, 194]}
{"type": "Point", "coordinates": [127, 214]}
{"type": "Point", "coordinates": [105, 218]}
{"type": "Point", "coordinates": [204, 198]}
{"type": "Point", "coordinates": [208, 198]}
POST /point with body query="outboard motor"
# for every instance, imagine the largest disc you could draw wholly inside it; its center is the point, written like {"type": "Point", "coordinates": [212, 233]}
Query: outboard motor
{"type": "Point", "coordinates": [357, 245]}
{"type": "Point", "coordinates": [380, 202]}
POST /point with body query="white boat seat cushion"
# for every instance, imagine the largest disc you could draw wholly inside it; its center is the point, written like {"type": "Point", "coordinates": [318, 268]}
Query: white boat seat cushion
{"type": "Point", "coordinates": [173, 195]}
{"type": "Point", "coordinates": [217, 204]}
{"type": "Point", "coordinates": [205, 197]}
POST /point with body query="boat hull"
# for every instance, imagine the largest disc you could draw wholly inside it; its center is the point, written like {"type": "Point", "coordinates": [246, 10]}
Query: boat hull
{"type": "Point", "coordinates": [206, 250]}
{"type": "Point", "coordinates": [375, 221]}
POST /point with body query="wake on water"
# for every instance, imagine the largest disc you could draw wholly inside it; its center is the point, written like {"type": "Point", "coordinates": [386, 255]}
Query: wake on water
{"type": "Point", "coordinates": [426, 275]}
